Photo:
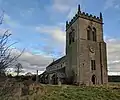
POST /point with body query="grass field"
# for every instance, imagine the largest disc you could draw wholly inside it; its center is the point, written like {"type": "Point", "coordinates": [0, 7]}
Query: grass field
{"type": "Point", "coordinates": [64, 92]}
{"type": "Point", "coordinates": [82, 93]}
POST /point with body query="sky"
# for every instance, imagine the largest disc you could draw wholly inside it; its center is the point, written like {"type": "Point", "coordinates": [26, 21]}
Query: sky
{"type": "Point", "coordinates": [39, 27]}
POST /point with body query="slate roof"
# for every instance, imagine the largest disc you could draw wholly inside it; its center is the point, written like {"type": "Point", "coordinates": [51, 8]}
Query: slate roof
{"type": "Point", "coordinates": [57, 61]}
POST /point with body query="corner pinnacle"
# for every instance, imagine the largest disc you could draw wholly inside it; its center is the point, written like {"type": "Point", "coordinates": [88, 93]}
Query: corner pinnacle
{"type": "Point", "coordinates": [101, 15]}
{"type": "Point", "coordinates": [79, 8]}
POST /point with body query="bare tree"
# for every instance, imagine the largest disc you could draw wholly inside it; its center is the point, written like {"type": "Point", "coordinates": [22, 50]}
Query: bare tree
{"type": "Point", "coordinates": [6, 57]}
{"type": "Point", "coordinates": [18, 68]}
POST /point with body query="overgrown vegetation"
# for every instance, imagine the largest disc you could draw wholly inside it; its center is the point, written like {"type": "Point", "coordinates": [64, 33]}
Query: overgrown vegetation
{"type": "Point", "coordinates": [34, 91]}
{"type": "Point", "coordinates": [81, 93]}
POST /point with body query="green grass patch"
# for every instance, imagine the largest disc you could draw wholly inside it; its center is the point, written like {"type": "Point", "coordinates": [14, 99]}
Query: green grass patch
{"type": "Point", "coordinates": [65, 92]}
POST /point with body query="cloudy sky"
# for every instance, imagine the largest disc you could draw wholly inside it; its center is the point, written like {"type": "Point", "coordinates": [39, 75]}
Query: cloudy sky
{"type": "Point", "coordinates": [39, 27]}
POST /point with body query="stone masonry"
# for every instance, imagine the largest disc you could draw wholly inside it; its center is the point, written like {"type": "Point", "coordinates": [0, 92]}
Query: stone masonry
{"type": "Point", "coordinates": [86, 58]}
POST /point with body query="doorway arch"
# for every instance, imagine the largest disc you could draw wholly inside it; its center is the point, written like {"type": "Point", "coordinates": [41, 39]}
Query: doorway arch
{"type": "Point", "coordinates": [54, 79]}
{"type": "Point", "coordinates": [93, 79]}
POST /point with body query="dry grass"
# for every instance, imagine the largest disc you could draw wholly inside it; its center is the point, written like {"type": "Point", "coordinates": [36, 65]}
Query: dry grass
{"type": "Point", "coordinates": [64, 92]}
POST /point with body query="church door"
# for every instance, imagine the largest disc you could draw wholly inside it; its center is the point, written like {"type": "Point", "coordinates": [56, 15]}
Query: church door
{"type": "Point", "coordinates": [94, 79]}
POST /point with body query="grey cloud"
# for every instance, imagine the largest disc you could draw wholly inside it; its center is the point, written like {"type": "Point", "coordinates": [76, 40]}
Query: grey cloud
{"type": "Point", "coordinates": [113, 54]}
{"type": "Point", "coordinates": [32, 62]}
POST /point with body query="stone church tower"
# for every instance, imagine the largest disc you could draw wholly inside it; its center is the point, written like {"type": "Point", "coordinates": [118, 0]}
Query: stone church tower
{"type": "Point", "coordinates": [86, 50]}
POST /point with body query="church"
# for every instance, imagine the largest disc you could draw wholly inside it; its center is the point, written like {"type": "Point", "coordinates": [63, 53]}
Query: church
{"type": "Point", "coordinates": [85, 62]}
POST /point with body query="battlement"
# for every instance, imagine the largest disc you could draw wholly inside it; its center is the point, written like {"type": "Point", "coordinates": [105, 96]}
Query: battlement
{"type": "Point", "coordinates": [85, 16]}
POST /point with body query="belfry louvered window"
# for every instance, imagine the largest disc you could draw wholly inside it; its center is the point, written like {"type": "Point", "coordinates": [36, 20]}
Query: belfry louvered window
{"type": "Point", "coordinates": [94, 34]}
{"type": "Point", "coordinates": [88, 33]}
{"type": "Point", "coordinates": [70, 37]}
{"type": "Point", "coordinates": [91, 33]}
{"type": "Point", "coordinates": [73, 36]}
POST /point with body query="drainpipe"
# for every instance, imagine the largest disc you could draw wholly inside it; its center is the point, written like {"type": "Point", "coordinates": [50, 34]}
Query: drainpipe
{"type": "Point", "coordinates": [101, 67]}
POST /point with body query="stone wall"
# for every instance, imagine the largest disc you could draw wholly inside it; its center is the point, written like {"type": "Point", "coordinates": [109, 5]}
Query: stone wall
{"type": "Point", "coordinates": [78, 53]}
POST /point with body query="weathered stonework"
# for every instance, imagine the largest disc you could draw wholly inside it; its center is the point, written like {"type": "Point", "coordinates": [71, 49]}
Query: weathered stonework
{"type": "Point", "coordinates": [82, 54]}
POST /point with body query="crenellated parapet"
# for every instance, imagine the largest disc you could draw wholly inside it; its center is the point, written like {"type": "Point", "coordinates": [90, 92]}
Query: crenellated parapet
{"type": "Point", "coordinates": [85, 16]}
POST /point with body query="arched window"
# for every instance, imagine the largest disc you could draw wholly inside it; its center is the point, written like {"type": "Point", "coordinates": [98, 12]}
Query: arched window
{"type": "Point", "coordinates": [70, 37]}
{"type": "Point", "coordinates": [94, 34]}
{"type": "Point", "coordinates": [73, 36]}
{"type": "Point", "coordinates": [88, 33]}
